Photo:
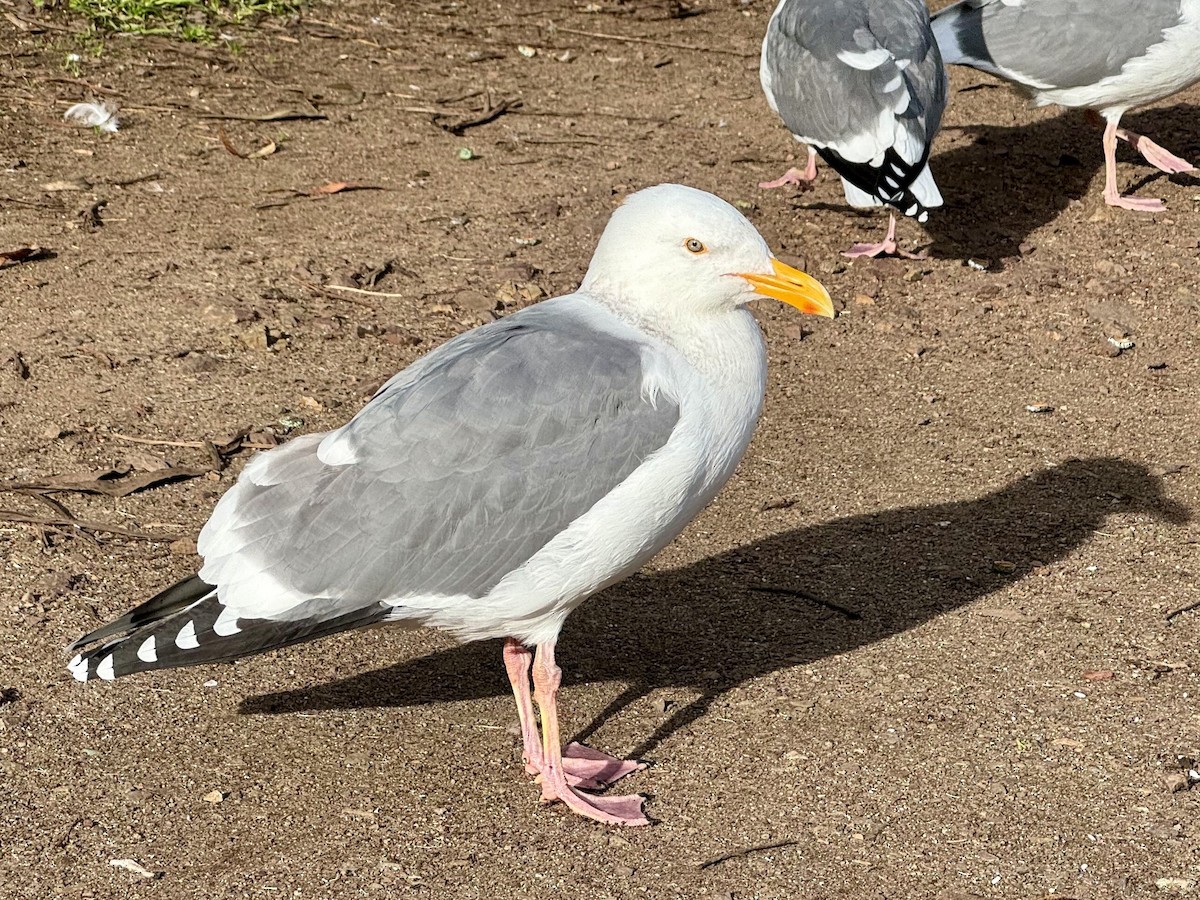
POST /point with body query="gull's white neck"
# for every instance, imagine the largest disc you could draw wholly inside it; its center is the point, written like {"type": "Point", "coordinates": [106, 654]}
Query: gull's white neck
{"type": "Point", "coordinates": [721, 344]}
{"type": "Point", "coordinates": [721, 355]}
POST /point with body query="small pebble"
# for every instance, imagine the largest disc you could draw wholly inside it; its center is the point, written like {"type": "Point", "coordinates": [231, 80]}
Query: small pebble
{"type": "Point", "coordinates": [1177, 782]}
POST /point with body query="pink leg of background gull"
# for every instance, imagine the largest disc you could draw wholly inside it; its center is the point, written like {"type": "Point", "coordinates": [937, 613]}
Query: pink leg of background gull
{"type": "Point", "coordinates": [1112, 195]}
{"type": "Point", "coordinates": [887, 246]}
{"type": "Point", "coordinates": [1158, 157]}
{"type": "Point", "coordinates": [795, 176]}
{"type": "Point", "coordinates": [582, 766]}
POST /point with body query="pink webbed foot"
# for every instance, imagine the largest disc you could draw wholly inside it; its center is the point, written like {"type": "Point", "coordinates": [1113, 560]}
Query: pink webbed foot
{"type": "Point", "coordinates": [791, 176]}
{"type": "Point", "coordinates": [1135, 203]}
{"type": "Point", "coordinates": [1160, 158]}
{"type": "Point", "coordinates": [594, 770]}
{"type": "Point", "coordinates": [886, 247]}
{"type": "Point", "coordinates": [802, 180]}
{"type": "Point", "coordinates": [625, 810]}
{"type": "Point", "coordinates": [883, 248]}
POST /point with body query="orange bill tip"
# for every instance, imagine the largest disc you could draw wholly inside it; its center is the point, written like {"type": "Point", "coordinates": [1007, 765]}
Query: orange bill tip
{"type": "Point", "coordinates": [794, 288]}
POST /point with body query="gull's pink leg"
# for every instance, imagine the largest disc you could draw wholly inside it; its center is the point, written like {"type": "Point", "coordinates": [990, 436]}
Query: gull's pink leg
{"type": "Point", "coordinates": [886, 247]}
{"type": "Point", "coordinates": [1112, 196]}
{"type": "Point", "coordinates": [517, 660]}
{"type": "Point", "coordinates": [803, 180]}
{"type": "Point", "coordinates": [1158, 157]}
{"type": "Point", "coordinates": [610, 810]}
{"type": "Point", "coordinates": [584, 767]}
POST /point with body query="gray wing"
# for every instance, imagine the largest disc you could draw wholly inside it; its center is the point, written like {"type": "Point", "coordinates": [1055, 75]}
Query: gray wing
{"type": "Point", "coordinates": [855, 77]}
{"type": "Point", "coordinates": [457, 472]}
{"type": "Point", "coordinates": [861, 81]}
{"type": "Point", "coordinates": [1052, 43]}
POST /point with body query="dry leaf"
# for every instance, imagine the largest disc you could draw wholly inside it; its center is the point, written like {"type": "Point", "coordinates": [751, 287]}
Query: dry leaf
{"type": "Point", "coordinates": [337, 187]}
{"type": "Point", "coordinates": [23, 253]}
{"type": "Point", "coordinates": [228, 144]}
{"type": "Point", "coordinates": [265, 150]}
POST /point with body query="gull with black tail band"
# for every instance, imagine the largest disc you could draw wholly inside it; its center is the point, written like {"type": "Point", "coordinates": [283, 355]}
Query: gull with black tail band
{"type": "Point", "coordinates": [861, 82]}
{"type": "Point", "coordinates": [498, 482]}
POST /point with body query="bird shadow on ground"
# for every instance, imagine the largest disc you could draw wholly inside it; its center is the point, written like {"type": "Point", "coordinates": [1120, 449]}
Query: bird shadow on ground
{"type": "Point", "coordinates": [783, 601]}
{"type": "Point", "coordinates": [1011, 180]}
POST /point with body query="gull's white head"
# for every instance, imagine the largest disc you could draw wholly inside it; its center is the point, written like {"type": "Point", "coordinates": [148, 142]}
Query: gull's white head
{"type": "Point", "coordinates": [671, 250]}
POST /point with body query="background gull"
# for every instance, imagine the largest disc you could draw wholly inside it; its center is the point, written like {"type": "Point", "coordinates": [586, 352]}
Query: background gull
{"type": "Point", "coordinates": [860, 82]}
{"type": "Point", "coordinates": [495, 484]}
{"type": "Point", "coordinates": [1100, 55]}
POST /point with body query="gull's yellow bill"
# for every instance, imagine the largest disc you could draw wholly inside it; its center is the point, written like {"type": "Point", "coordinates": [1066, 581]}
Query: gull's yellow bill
{"type": "Point", "coordinates": [794, 288]}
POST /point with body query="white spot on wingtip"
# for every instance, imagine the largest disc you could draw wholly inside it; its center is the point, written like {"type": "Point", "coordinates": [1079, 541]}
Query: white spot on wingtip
{"type": "Point", "coordinates": [78, 668]}
{"type": "Point", "coordinates": [227, 623]}
{"type": "Point", "coordinates": [186, 639]}
{"type": "Point", "coordinates": [105, 669]}
{"type": "Point", "coordinates": [148, 652]}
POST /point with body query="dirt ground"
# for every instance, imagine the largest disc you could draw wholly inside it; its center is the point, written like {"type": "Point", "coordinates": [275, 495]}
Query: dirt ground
{"type": "Point", "coordinates": [927, 643]}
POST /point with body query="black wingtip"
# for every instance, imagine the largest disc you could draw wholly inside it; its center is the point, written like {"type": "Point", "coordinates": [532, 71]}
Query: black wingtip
{"type": "Point", "coordinates": [165, 603]}
{"type": "Point", "coordinates": [890, 182]}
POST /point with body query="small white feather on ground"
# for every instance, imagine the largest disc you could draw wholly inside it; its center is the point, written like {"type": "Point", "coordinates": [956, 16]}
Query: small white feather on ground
{"type": "Point", "coordinates": [93, 115]}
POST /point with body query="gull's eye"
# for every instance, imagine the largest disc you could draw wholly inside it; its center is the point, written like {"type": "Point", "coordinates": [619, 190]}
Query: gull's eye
{"type": "Point", "coordinates": [694, 246]}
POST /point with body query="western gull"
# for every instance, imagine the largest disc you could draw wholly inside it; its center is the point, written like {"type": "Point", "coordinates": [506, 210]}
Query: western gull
{"type": "Point", "coordinates": [496, 483]}
{"type": "Point", "coordinates": [861, 82]}
{"type": "Point", "coordinates": [1105, 56]}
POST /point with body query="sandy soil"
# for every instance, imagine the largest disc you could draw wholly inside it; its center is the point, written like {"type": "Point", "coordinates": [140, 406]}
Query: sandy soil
{"type": "Point", "coordinates": [921, 646]}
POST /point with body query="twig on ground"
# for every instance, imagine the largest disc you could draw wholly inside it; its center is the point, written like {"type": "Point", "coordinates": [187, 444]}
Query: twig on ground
{"type": "Point", "coordinates": [347, 293]}
{"type": "Point", "coordinates": [354, 290]}
{"type": "Point", "coordinates": [194, 445]}
{"type": "Point", "coordinates": [489, 114]}
{"type": "Point", "coordinates": [811, 598]}
{"type": "Point", "coordinates": [1179, 611]}
{"type": "Point", "coordinates": [745, 851]}
{"type": "Point", "coordinates": [12, 515]}
{"type": "Point", "coordinates": [279, 115]}
{"type": "Point", "coordinates": [652, 41]}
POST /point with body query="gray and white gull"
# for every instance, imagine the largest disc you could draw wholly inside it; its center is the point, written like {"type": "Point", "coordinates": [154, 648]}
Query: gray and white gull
{"type": "Point", "coordinates": [861, 82]}
{"type": "Point", "coordinates": [496, 483]}
{"type": "Point", "coordinates": [1106, 56]}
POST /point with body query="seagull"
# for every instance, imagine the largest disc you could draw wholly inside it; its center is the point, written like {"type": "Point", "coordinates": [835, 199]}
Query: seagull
{"type": "Point", "coordinates": [861, 82]}
{"type": "Point", "coordinates": [495, 484]}
{"type": "Point", "coordinates": [1105, 56]}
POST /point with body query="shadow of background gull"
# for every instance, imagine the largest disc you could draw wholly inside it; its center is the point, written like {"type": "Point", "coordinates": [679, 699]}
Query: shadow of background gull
{"type": "Point", "coordinates": [783, 601]}
{"type": "Point", "coordinates": [995, 183]}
